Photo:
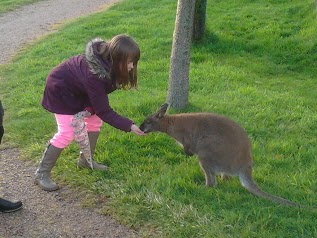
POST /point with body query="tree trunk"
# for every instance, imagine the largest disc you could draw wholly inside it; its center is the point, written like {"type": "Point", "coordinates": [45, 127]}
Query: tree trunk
{"type": "Point", "coordinates": [199, 20]}
{"type": "Point", "coordinates": [178, 87]}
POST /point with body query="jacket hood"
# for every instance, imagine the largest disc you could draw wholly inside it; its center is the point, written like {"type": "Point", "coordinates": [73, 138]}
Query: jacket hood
{"type": "Point", "coordinates": [96, 64]}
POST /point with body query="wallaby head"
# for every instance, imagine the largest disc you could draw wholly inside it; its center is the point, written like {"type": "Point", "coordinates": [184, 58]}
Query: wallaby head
{"type": "Point", "coordinates": [151, 123]}
{"type": "Point", "coordinates": [221, 145]}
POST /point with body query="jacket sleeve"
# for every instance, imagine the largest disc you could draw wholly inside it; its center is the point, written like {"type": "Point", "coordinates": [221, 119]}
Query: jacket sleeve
{"type": "Point", "coordinates": [1, 121]}
{"type": "Point", "coordinates": [100, 103]}
{"type": "Point", "coordinates": [1, 114]}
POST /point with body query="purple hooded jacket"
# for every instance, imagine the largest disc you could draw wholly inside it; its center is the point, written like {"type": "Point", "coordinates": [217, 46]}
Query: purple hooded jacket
{"type": "Point", "coordinates": [81, 82]}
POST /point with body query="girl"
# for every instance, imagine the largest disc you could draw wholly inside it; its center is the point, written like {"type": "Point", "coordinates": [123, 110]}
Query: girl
{"type": "Point", "coordinates": [83, 82]}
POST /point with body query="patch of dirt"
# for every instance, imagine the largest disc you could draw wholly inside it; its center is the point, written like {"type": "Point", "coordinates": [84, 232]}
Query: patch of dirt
{"type": "Point", "coordinates": [45, 214]}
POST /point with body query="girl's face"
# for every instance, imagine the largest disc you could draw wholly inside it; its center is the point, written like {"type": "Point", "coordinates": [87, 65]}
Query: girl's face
{"type": "Point", "coordinates": [130, 66]}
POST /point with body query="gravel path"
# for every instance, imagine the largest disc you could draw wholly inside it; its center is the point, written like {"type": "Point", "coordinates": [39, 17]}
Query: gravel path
{"type": "Point", "coordinates": [25, 24]}
{"type": "Point", "coordinates": [45, 214]}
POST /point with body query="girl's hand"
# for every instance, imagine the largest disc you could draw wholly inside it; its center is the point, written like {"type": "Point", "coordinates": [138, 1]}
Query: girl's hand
{"type": "Point", "coordinates": [136, 130]}
{"type": "Point", "coordinates": [87, 114]}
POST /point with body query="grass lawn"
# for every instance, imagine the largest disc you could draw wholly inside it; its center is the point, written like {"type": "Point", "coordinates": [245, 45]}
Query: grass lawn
{"type": "Point", "coordinates": [257, 65]}
{"type": "Point", "coordinates": [9, 5]}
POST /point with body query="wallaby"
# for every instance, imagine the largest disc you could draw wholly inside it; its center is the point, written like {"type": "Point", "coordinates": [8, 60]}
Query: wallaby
{"type": "Point", "coordinates": [221, 145]}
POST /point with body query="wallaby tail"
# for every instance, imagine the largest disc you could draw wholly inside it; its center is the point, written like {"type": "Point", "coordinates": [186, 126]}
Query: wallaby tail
{"type": "Point", "coordinates": [252, 187]}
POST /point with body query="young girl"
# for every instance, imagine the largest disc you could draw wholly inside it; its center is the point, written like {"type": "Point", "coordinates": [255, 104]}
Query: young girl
{"type": "Point", "coordinates": [83, 82]}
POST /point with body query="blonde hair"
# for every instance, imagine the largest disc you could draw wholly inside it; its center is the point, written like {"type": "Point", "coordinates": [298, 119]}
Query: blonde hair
{"type": "Point", "coordinates": [121, 50]}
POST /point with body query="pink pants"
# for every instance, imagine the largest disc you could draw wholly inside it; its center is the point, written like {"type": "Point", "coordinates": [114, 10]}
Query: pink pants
{"type": "Point", "coordinates": [65, 134]}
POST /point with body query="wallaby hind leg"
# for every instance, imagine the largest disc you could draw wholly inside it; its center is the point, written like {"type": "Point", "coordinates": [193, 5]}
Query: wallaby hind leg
{"type": "Point", "coordinates": [210, 176]}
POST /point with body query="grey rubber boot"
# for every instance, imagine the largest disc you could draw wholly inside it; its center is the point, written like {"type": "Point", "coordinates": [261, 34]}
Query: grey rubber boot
{"type": "Point", "coordinates": [82, 162]}
{"type": "Point", "coordinates": [43, 173]}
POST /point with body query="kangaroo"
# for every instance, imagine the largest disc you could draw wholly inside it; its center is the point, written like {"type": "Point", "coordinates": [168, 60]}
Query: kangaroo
{"type": "Point", "coordinates": [222, 146]}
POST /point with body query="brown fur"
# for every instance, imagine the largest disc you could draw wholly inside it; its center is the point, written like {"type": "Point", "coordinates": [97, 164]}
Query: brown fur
{"type": "Point", "coordinates": [222, 146]}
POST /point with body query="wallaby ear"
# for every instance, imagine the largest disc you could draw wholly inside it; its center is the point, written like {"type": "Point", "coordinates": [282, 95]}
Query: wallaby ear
{"type": "Point", "coordinates": [164, 107]}
{"type": "Point", "coordinates": [161, 112]}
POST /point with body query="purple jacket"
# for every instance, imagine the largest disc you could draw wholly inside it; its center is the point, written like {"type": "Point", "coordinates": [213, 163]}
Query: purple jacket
{"type": "Point", "coordinates": [80, 82]}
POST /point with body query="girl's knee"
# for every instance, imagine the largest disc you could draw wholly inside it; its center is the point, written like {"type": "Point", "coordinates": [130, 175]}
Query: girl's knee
{"type": "Point", "coordinates": [62, 141]}
{"type": "Point", "coordinates": [93, 123]}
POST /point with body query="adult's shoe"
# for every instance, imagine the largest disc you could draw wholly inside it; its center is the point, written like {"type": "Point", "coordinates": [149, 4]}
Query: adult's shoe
{"type": "Point", "coordinates": [8, 206]}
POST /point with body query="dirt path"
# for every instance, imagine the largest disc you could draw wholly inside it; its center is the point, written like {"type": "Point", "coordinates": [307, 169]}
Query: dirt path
{"type": "Point", "coordinates": [45, 214]}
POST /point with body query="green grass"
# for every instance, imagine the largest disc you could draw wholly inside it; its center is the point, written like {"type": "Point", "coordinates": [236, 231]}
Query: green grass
{"type": "Point", "coordinates": [256, 64]}
{"type": "Point", "coordinates": [10, 5]}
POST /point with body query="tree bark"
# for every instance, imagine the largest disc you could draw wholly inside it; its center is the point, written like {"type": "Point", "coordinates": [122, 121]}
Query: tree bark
{"type": "Point", "coordinates": [178, 87]}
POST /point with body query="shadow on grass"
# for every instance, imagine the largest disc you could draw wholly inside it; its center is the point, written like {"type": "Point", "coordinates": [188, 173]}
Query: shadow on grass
{"type": "Point", "coordinates": [279, 53]}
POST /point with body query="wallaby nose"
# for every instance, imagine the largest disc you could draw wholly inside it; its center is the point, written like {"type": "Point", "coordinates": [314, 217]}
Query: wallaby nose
{"type": "Point", "coordinates": [142, 127]}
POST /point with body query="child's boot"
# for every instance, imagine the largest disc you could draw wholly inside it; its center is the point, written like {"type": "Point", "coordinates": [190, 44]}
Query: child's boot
{"type": "Point", "coordinates": [43, 173]}
{"type": "Point", "coordinates": [82, 162]}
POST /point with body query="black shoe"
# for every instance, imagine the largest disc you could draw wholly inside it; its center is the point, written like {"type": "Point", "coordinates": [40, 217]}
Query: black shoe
{"type": "Point", "coordinates": [7, 206]}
